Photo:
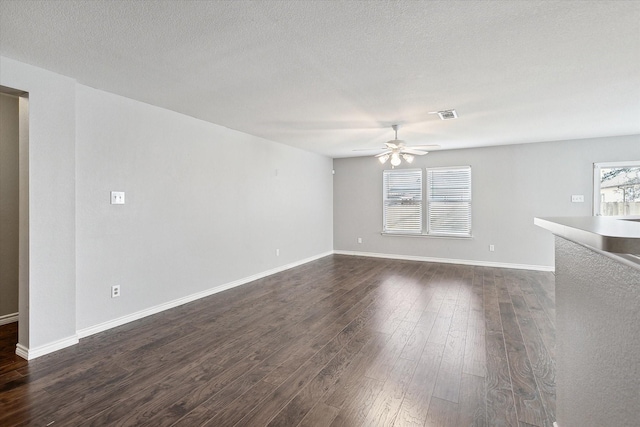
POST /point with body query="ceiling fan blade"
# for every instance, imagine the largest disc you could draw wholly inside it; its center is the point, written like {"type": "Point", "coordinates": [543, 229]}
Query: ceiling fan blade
{"type": "Point", "coordinates": [412, 151]}
{"type": "Point", "coordinates": [383, 153]}
{"type": "Point", "coordinates": [369, 149]}
{"type": "Point", "coordinates": [424, 147]}
{"type": "Point", "coordinates": [391, 144]}
{"type": "Point", "coordinates": [329, 125]}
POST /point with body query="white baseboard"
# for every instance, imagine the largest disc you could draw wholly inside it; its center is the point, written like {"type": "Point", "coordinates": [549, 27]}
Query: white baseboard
{"type": "Point", "coordinates": [449, 261]}
{"type": "Point", "coordinates": [32, 353]}
{"type": "Point", "coordinates": [85, 332]}
{"type": "Point", "coordinates": [8, 318]}
{"type": "Point", "coordinates": [29, 354]}
{"type": "Point", "coordinates": [22, 351]}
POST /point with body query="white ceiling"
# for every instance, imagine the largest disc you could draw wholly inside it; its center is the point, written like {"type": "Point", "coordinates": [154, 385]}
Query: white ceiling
{"type": "Point", "coordinates": [332, 76]}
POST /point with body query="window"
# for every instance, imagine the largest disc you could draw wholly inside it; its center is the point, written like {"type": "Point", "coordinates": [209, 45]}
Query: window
{"type": "Point", "coordinates": [402, 201]}
{"type": "Point", "coordinates": [448, 202]}
{"type": "Point", "coordinates": [616, 188]}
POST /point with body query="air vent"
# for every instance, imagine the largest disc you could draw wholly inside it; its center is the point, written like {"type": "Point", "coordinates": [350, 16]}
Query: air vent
{"type": "Point", "coordinates": [448, 114]}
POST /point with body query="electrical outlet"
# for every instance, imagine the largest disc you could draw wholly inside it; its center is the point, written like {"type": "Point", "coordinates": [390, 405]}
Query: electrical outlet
{"type": "Point", "coordinates": [492, 248]}
{"type": "Point", "coordinates": [577, 198]}
{"type": "Point", "coordinates": [359, 239]}
{"type": "Point", "coordinates": [117, 197]}
{"type": "Point", "coordinates": [115, 291]}
{"type": "Point", "coordinates": [277, 252]}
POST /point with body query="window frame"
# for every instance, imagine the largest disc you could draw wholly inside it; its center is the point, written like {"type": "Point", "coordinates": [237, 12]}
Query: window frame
{"type": "Point", "coordinates": [386, 203]}
{"type": "Point", "coordinates": [597, 167]}
{"type": "Point", "coordinates": [425, 211]}
{"type": "Point", "coordinates": [428, 200]}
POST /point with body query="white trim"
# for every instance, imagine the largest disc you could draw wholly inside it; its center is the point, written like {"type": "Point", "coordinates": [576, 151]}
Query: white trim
{"type": "Point", "coordinates": [82, 333]}
{"type": "Point", "coordinates": [633, 163]}
{"type": "Point", "coordinates": [22, 351]}
{"type": "Point", "coordinates": [429, 236]}
{"type": "Point", "coordinates": [450, 261]}
{"type": "Point", "coordinates": [32, 353]}
{"type": "Point", "coordinates": [595, 189]}
{"type": "Point", "coordinates": [8, 318]}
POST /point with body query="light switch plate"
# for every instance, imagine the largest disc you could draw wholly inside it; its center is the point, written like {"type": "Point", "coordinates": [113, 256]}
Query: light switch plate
{"type": "Point", "coordinates": [117, 197]}
{"type": "Point", "coordinates": [577, 198]}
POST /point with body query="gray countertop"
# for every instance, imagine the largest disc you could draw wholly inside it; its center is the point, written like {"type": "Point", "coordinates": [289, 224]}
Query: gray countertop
{"type": "Point", "coordinates": [619, 236]}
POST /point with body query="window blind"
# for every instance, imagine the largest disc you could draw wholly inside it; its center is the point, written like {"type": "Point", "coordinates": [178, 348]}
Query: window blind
{"type": "Point", "coordinates": [402, 201]}
{"type": "Point", "coordinates": [449, 201]}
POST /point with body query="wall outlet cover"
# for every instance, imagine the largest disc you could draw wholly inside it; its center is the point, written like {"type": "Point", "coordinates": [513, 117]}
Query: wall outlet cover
{"type": "Point", "coordinates": [577, 198]}
{"type": "Point", "coordinates": [117, 197]}
{"type": "Point", "coordinates": [115, 291]}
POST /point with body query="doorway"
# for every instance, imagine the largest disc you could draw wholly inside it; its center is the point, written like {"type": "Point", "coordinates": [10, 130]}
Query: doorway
{"type": "Point", "coordinates": [13, 218]}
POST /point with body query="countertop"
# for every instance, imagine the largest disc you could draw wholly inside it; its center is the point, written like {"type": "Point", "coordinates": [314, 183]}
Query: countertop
{"type": "Point", "coordinates": [615, 235]}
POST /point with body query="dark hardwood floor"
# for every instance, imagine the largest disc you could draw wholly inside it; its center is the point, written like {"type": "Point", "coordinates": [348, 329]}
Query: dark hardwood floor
{"type": "Point", "coordinates": [342, 341]}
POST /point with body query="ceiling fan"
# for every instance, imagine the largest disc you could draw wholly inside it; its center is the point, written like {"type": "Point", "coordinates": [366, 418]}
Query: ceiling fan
{"type": "Point", "coordinates": [396, 150]}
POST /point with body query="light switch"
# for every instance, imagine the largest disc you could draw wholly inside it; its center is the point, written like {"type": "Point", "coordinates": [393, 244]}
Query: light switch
{"type": "Point", "coordinates": [117, 197]}
{"type": "Point", "coordinates": [577, 198]}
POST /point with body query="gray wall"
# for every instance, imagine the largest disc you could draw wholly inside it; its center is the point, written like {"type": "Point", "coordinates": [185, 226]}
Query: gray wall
{"type": "Point", "coordinates": [598, 339]}
{"type": "Point", "coordinates": [205, 205]}
{"type": "Point", "coordinates": [47, 190]}
{"type": "Point", "coordinates": [511, 185]}
{"type": "Point", "coordinates": [9, 120]}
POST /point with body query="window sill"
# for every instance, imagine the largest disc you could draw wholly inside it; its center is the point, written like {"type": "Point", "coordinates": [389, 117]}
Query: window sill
{"type": "Point", "coordinates": [429, 236]}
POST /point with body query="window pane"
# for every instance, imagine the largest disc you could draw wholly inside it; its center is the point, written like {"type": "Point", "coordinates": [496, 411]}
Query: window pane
{"type": "Point", "coordinates": [450, 218]}
{"type": "Point", "coordinates": [403, 217]}
{"type": "Point", "coordinates": [619, 190]}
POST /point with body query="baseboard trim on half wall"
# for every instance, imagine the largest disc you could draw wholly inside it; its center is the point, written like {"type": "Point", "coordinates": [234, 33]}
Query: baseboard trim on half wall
{"type": "Point", "coordinates": [32, 353]}
{"type": "Point", "coordinates": [85, 332]}
{"type": "Point", "coordinates": [449, 261]}
{"type": "Point", "coordinates": [8, 318]}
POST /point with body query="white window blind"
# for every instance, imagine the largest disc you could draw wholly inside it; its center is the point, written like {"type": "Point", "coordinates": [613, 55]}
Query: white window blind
{"type": "Point", "coordinates": [402, 201]}
{"type": "Point", "coordinates": [449, 201]}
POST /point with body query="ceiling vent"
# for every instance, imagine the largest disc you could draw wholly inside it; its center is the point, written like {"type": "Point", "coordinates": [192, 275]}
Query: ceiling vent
{"type": "Point", "coordinates": [448, 114]}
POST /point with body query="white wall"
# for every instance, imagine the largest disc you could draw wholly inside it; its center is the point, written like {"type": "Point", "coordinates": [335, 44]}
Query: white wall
{"type": "Point", "coordinates": [204, 206]}
{"type": "Point", "coordinates": [8, 205]}
{"type": "Point", "coordinates": [47, 270]}
{"type": "Point", "coordinates": [511, 185]}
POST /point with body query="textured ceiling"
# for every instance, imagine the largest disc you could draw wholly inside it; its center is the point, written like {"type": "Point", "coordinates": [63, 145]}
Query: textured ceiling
{"type": "Point", "coordinates": [331, 77]}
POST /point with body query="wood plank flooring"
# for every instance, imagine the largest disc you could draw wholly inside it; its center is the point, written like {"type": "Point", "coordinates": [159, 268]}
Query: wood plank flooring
{"type": "Point", "coordinates": [342, 341]}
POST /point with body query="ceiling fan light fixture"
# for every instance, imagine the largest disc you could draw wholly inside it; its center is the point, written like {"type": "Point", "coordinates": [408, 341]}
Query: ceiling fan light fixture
{"type": "Point", "coordinates": [396, 150]}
